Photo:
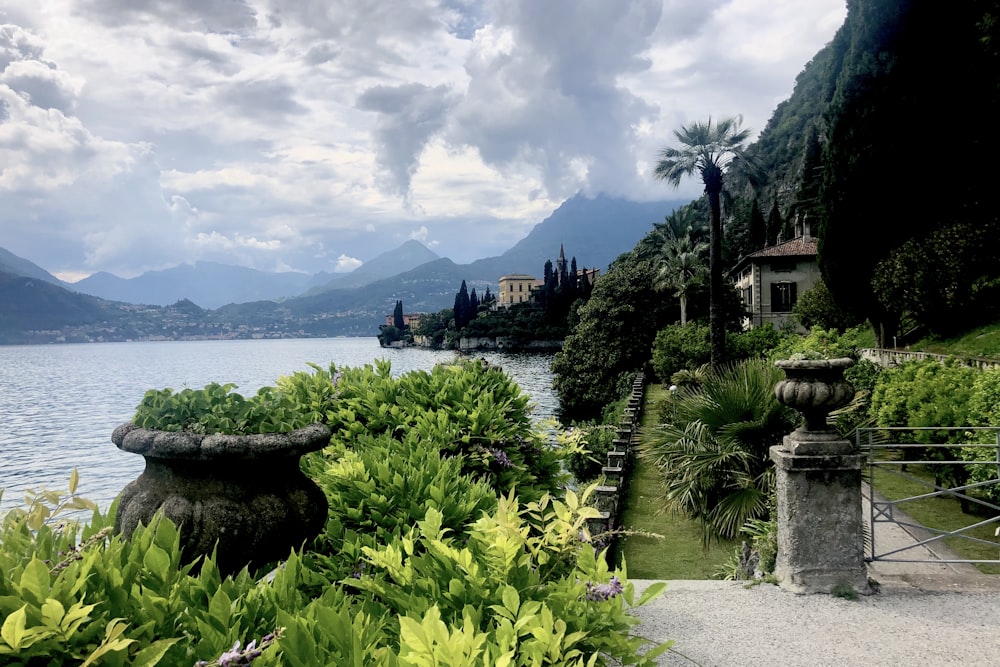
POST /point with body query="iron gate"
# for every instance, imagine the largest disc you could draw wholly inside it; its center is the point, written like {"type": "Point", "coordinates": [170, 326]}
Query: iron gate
{"type": "Point", "coordinates": [961, 464]}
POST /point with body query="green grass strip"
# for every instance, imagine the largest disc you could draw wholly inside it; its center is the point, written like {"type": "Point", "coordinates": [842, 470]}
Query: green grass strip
{"type": "Point", "coordinates": [680, 554]}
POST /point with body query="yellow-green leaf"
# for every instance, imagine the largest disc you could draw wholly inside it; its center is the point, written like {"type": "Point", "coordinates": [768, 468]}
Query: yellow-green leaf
{"type": "Point", "coordinates": [52, 613]}
{"type": "Point", "coordinates": [12, 631]}
{"type": "Point", "coordinates": [152, 654]}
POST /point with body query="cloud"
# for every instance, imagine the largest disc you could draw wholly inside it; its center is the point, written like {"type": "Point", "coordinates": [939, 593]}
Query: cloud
{"type": "Point", "coordinates": [43, 85]}
{"type": "Point", "coordinates": [347, 264]}
{"type": "Point", "coordinates": [409, 115]}
{"type": "Point", "coordinates": [550, 100]}
{"type": "Point", "coordinates": [139, 134]}
{"type": "Point", "coordinates": [206, 15]}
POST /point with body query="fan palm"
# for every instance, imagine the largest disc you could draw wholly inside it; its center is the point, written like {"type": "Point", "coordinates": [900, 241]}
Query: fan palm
{"type": "Point", "coordinates": [681, 221]}
{"type": "Point", "coordinates": [707, 149]}
{"type": "Point", "coordinates": [714, 457]}
{"type": "Point", "coordinates": [681, 267]}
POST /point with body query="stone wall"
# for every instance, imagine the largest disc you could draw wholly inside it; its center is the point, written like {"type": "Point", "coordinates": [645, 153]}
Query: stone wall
{"type": "Point", "coordinates": [891, 358]}
{"type": "Point", "coordinates": [469, 343]}
{"type": "Point", "coordinates": [610, 497]}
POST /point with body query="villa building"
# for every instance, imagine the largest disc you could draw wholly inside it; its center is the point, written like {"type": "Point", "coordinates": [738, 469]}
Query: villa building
{"type": "Point", "coordinates": [770, 280]}
{"type": "Point", "coordinates": [515, 288]}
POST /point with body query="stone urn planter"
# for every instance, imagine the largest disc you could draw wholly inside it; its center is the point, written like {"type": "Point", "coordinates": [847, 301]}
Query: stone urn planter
{"type": "Point", "coordinates": [243, 495]}
{"type": "Point", "coordinates": [814, 388]}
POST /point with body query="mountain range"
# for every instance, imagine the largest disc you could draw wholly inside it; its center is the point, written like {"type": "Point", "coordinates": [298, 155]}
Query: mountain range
{"type": "Point", "coordinates": [229, 298]}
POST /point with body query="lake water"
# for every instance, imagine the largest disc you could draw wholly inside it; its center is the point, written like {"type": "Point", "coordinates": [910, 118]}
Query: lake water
{"type": "Point", "coordinates": [60, 403]}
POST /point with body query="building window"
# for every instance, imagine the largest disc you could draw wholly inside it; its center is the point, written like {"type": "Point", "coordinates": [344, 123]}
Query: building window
{"type": "Point", "coordinates": [783, 297]}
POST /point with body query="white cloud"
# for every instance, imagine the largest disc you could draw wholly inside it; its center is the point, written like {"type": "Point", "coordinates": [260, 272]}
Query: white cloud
{"type": "Point", "coordinates": [347, 264]}
{"type": "Point", "coordinates": [139, 134]}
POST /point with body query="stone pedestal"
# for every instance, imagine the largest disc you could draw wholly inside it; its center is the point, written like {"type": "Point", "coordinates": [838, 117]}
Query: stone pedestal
{"type": "Point", "coordinates": [818, 485]}
{"type": "Point", "coordinates": [820, 525]}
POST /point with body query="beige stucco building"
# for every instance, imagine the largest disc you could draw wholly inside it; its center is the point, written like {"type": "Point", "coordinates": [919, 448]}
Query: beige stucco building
{"type": "Point", "coordinates": [515, 288]}
{"type": "Point", "coordinates": [771, 280]}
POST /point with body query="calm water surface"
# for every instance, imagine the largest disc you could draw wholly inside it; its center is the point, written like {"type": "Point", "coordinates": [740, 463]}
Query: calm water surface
{"type": "Point", "coordinates": [59, 403]}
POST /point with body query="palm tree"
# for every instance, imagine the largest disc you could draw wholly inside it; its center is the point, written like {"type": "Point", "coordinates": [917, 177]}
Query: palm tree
{"type": "Point", "coordinates": [680, 221]}
{"type": "Point", "coordinates": [681, 267]}
{"type": "Point", "coordinates": [713, 458]}
{"type": "Point", "coordinates": [707, 149]}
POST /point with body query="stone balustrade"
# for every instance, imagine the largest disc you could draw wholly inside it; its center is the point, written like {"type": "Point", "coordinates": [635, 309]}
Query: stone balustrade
{"type": "Point", "coordinates": [609, 498]}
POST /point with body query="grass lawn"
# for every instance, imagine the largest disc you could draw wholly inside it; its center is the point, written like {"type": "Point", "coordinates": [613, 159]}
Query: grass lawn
{"type": "Point", "coordinates": [680, 555]}
{"type": "Point", "coordinates": [940, 514]}
{"type": "Point", "coordinates": [981, 342]}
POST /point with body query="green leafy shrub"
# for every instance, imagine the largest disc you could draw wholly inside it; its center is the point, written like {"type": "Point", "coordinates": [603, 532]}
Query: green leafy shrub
{"type": "Point", "coordinates": [756, 343]}
{"type": "Point", "coordinates": [299, 400]}
{"type": "Point", "coordinates": [815, 307]}
{"type": "Point", "coordinates": [469, 410]}
{"type": "Point", "coordinates": [381, 487]}
{"type": "Point", "coordinates": [824, 344]}
{"type": "Point", "coordinates": [496, 592]}
{"type": "Point", "coordinates": [984, 410]}
{"type": "Point", "coordinates": [925, 393]}
{"type": "Point", "coordinates": [679, 347]}
{"type": "Point", "coordinates": [587, 461]}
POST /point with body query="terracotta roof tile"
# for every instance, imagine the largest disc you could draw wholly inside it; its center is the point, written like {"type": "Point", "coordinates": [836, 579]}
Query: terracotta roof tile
{"type": "Point", "coordinates": [797, 247]}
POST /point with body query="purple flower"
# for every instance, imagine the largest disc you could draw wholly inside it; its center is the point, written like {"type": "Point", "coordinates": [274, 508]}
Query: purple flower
{"type": "Point", "coordinates": [501, 457]}
{"type": "Point", "coordinates": [230, 657]}
{"type": "Point", "coordinates": [234, 657]}
{"type": "Point", "coordinates": [606, 591]}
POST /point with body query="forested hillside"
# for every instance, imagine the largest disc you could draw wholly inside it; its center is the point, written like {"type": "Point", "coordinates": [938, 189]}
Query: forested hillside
{"type": "Point", "coordinates": [904, 236]}
{"type": "Point", "coordinates": [907, 240]}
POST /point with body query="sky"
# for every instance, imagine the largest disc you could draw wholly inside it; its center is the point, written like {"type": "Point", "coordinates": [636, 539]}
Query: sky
{"type": "Point", "coordinates": [312, 135]}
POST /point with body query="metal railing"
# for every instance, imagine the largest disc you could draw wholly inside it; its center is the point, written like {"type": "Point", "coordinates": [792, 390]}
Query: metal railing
{"type": "Point", "coordinates": [942, 470]}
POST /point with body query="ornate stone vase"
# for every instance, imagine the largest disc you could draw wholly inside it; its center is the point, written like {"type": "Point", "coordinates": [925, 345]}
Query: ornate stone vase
{"type": "Point", "coordinates": [814, 388]}
{"type": "Point", "coordinates": [242, 495]}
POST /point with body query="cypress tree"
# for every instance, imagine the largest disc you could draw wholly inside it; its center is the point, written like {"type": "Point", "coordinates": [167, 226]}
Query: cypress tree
{"type": "Point", "coordinates": [397, 316]}
{"type": "Point", "coordinates": [758, 227]}
{"type": "Point", "coordinates": [462, 307]}
{"type": "Point", "coordinates": [774, 225]}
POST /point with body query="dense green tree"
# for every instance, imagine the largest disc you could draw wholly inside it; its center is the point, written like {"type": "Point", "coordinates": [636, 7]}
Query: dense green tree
{"type": "Point", "coordinates": [890, 88]}
{"type": "Point", "coordinates": [611, 340]}
{"type": "Point", "coordinates": [708, 150]}
{"type": "Point", "coordinates": [946, 282]}
{"type": "Point", "coordinates": [816, 308]}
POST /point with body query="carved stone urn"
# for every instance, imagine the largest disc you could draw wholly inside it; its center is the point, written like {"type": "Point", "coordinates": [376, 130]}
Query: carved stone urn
{"type": "Point", "coordinates": [242, 495]}
{"type": "Point", "coordinates": [814, 388]}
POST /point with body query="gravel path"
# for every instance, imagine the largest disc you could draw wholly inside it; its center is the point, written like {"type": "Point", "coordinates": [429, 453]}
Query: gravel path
{"type": "Point", "coordinates": [723, 624]}
{"type": "Point", "coordinates": [929, 613]}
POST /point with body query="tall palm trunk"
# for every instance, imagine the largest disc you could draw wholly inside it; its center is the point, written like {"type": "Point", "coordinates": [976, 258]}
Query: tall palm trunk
{"type": "Point", "coordinates": [716, 309]}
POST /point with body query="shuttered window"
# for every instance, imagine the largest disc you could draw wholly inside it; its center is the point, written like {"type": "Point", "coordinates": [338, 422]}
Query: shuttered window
{"type": "Point", "coordinates": [783, 297]}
